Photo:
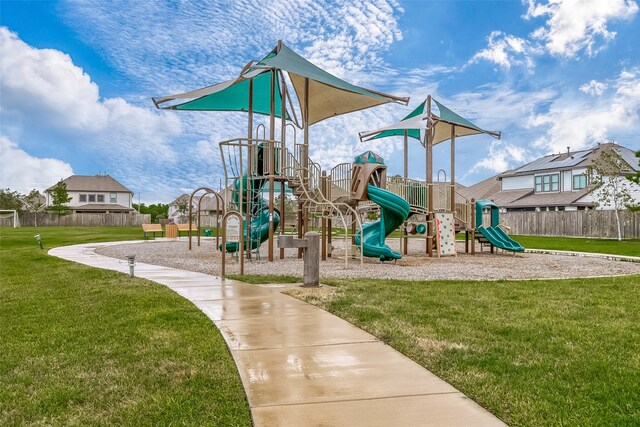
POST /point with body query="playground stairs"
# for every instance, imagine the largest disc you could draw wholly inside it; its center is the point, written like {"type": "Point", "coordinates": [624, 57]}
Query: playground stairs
{"type": "Point", "coordinates": [312, 188]}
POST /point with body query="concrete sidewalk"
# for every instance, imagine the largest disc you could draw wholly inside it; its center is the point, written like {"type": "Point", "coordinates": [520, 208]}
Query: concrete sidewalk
{"type": "Point", "coordinates": [302, 366]}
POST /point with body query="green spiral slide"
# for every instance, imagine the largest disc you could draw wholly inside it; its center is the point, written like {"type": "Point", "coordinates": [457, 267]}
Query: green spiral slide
{"type": "Point", "coordinates": [394, 210]}
{"type": "Point", "coordinates": [260, 214]}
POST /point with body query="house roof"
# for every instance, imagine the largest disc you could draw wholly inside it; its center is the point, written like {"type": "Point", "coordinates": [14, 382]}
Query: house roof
{"type": "Point", "coordinates": [481, 190]}
{"type": "Point", "coordinates": [508, 198]}
{"type": "Point", "coordinates": [183, 198]}
{"type": "Point", "coordinates": [573, 159]}
{"type": "Point", "coordinates": [95, 183]}
{"type": "Point", "coordinates": [564, 198]}
{"type": "Point", "coordinates": [209, 203]}
{"type": "Point", "coordinates": [111, 207]}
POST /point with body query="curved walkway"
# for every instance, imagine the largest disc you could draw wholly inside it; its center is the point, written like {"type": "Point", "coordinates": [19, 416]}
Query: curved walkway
{"type": "Point", "coordinates": [301, 365]}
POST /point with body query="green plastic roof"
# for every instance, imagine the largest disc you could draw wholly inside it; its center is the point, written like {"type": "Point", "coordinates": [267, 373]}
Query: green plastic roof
{"type": "Point", "coordinates": [368, 157]}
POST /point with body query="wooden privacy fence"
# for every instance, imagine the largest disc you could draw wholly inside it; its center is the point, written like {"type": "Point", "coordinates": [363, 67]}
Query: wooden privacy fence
{"type": "Point", "coordinates": [82, 220]}
{"type": "Point", "coordinates": [592, 223]}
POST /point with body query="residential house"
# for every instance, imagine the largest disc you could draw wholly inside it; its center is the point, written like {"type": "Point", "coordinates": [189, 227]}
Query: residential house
{"type": "Point", "coordinates": [95, 194]}
{"type": "Point", "coordinates": [556, 182]}
{"type": "Point", "coordinates": [209, 209]}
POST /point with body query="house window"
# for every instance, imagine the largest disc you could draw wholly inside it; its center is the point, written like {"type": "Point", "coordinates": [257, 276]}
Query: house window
{"type": "Point", "coordinates": [579, 181]}
{"type": "Point", "coordinates": [113, 198]}
{"type": "Point", "coordinates": [547, 183]}
{"type": "Point", "coordinates": [92, 198]}
{"type": "Point", "coordinates": [83, 198]}
{"type": "Point", "coordinates": [100, 198]}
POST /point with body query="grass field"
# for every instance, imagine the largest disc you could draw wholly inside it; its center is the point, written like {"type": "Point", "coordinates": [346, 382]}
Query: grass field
{"type": "Point", "coordinates": [83, 346]}
{"type": "Point", "coordinates": [87, 346]}
{"type": "Point", "coordinates": [555, 352]}
{"type": "Point", "coordinates": [581, 244]}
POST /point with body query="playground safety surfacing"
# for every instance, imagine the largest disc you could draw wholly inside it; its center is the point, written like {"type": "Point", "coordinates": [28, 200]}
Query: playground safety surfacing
{"type": "Point", "coordinates": [303, 366]}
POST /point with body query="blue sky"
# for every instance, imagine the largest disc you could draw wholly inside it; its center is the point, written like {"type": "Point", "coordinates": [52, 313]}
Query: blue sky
{"type": "Point", "coordinates": [76, 80]}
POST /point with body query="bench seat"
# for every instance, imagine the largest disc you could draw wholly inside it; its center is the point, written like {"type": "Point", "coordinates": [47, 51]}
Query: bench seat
{"type": "Point", "coordinates": [152, 228]}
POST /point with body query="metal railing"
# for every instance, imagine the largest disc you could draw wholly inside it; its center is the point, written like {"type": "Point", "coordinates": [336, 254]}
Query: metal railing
{"type": "Point", "coordinates": [416, 193]}
{"type": "Point", "coordinates": [340, 179]}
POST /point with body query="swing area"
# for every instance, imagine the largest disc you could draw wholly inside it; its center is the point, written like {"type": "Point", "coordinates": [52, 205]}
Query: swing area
{"type": "Point", "coordinates": [258, 166]}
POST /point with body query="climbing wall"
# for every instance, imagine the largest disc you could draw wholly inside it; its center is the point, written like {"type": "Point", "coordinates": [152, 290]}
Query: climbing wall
{"type": "Point", "coordinates": [446, 234]}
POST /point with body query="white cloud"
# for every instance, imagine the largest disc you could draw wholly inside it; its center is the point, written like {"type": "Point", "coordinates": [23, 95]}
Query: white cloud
{"type": "Point", "coordinates": [49, 101]}
{"type": "Point", "coordinates": [576, 25]}
{"type": "Point", "coordinates": [185, 44]}
{"type": "Point", "coordinates": [580, 123]}
{"type": "Point", "coordinates": [42, 88]}
{"type": "Point", "coordinates": [22, 172]}
{"type": "Point", "coordinates": [506, 50]}
{"type": "Point", "coordinates": [594, 88]}
{"type": "Point", "coordinates": [501, 157]}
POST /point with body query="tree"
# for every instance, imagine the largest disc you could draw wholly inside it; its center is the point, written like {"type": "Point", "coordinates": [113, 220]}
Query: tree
{"type": "Point", "coordinates": [635, 207]}
{"type": "Point", "coordinates": [610, 188]}
{"type": "Point", "coordinates": [10, 200]}
{"type": "Point", "coordinates": [60, 196]}
{"type": "Point", "coordinates": [156, 211]}
{"type": "Point", "coordinates": [182, 207]}
{"type": "Point", "coordinates": [33, 203]}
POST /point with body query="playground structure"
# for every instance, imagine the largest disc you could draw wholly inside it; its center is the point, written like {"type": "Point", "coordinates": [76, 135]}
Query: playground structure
{"type": "Point", "coordinates": [343, 195]}
{"type": "Point", "coordinates": [493, 234]}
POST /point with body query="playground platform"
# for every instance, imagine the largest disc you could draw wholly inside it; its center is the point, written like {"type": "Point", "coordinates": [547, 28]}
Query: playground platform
{"type": "Point", "coordinates": [301, 365]}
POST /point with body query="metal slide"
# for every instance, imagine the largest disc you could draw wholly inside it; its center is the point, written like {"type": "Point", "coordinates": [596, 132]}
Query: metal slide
{"type": "Point", "coordinates": [394, 210]}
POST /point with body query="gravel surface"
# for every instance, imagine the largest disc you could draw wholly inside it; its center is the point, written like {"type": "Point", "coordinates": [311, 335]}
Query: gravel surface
{"type": "Point", "coordinates": [415, 266]}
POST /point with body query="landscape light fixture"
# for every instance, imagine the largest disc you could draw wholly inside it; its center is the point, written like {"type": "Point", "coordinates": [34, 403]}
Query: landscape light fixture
{"type": "Point", "coordinates": [39, 239]}
{"type": "Point", "coordinates": [132, 263]}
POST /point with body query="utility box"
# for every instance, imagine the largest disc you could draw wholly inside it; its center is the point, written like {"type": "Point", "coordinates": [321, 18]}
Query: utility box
{"type": "Point", "coordinates": [171, 230]}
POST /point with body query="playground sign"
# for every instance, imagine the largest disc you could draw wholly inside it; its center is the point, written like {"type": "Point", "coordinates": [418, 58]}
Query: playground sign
{"type": "Point", "coordinates": [233, 229]}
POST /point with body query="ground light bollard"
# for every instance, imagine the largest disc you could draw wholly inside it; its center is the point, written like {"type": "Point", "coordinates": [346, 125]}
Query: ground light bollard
{"type": "Point", "coordinates": [39, 239]}
{"type": "Point", "coordinates": [311, 249]}
{"type": "Point", "coordinates": [132, 263]}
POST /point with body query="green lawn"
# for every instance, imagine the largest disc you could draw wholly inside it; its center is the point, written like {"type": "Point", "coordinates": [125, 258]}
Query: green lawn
{"type": "Point", "coordinates": [581, 244]}
{"type": "Point", "coordinates": [83, 346]}
{"type": "Point", "coordinates": [555, 352]}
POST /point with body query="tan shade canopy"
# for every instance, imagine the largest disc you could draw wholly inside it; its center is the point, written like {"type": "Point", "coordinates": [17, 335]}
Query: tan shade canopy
{"type": "Point", "coordinates": [328, 95]}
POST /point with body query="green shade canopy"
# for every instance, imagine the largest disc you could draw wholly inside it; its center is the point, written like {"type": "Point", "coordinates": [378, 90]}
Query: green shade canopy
{"type": "Point", "coordinates": [328, 95]}
{"type": "Point", "coordinates": [442, 125]}
{"type": "Point", "coordinates": [232, 95]}
{"type": "Point", "coordinates": [411, 132]}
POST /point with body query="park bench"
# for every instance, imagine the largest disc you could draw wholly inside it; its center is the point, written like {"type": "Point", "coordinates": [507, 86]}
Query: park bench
{"type": "Point", "coordinates": [186, 227]}
{"type": "Point", "coordinates": [152, 228]}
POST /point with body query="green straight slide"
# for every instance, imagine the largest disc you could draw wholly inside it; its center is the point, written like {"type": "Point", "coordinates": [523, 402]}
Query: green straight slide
{"type": "Point", "coordinates": [260, 216]}
{"type": "Point", "coordinates": [499, 238]}
{"type": "Point", "coordinates": [394, 210]}
{"type": "Point", "coordinates": [494, 233]}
